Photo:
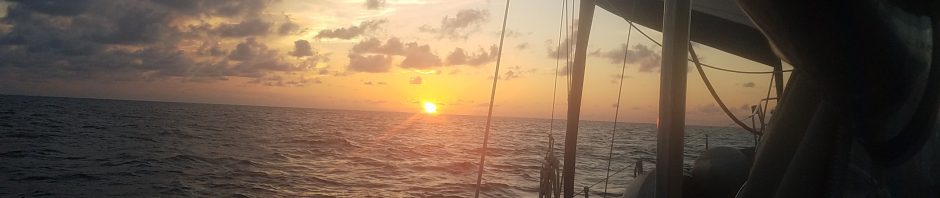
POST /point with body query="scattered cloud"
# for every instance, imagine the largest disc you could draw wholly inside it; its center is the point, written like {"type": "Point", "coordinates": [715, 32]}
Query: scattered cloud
{"type": "Point", "coordinates": [420, 57]}
{"type": "Point", "coordinates": [351, 32]}
{"type": "Point", "coordinates": [749, 84]}
{"type": "Point", "coordinates": [369, 63]}
{"type": "Point", "coordinates": [515, 72]}
{"type": "Point", "coordinates": [245, 28]}
{"type": "Point", "coordinates": [417, 56]}
{"type": "Point", "coordinates": [522, 46]}
{"type": "Point", "coordinates": [564, 49]}
{"type": "Point", "coordinates": [617, 77]}
{"type": "Point", "coordinates": [374, 83]}
{"type": "Point", "coordinates": [374, 4]}
{"type": "Point", "coordinates": [516, 34]}
{"type": "Point", "coordinates": [460, 26]}
{"type": "Point", "coordinates": [287, 27]}
{"type": "Point", "coordinates": [302, 48]}
{"type": "Point", "coordinates": [416, 80]}
{"type": "Point", "coordinates": [708, 109]}
{"type": "Point", "coordinates": [639, 54]}
{"type": "Point", "coordinates": [460, 57]}
{"type": "Point", "coordinates": [280, 81]}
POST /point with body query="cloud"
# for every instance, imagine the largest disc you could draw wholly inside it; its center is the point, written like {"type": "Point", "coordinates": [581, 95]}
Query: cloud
{"type": "Point", "coordinates": [250, 27]}
{"type": "Point", "coordinates": [639, 54]}
{"type": "Point", "coordinates": [617, 77]}
{"type": "Point", "coordinates": [515, 34]}
{"type": "Point", "coordinates": [708, 109]}
{"type": "Point", "coordinates": [460, 26]}
{"type": "Point", "coordinates": [522, 46]}
{"type": "Point", "coordinates": [374, 4]}
{"type": "Point", "coordinates": [415, 80]}
{"type": "Point", "coordinates": [251, 59]}
{"type": "Point", "coordinates": [460, 57]}
{"type": "Point", "coordinates": [417, 56]}
{"type": "Point", "coordinates": [749, 84]}
{"type": "Point", "coordinates": [133, 40]}
{"type": "Point", "coordinates": [287, 27]}
{"type": "Point", "coordinates": [515, 72]}
{"type": "Point", "coordinates": [209, 48]}
{"type": "Point", "coordinates": [302, 48]}
{"type": "Point", "coordinates": [565, 48]}
{"type": "Point", "coordinates": [248, 50]}
{"type": "Point", "coordinates": [280, 81]}
{"type": "Point", "coordinates": [420, 57]}
{"type": "Point", "coordinates": [56, 8]}
{"type": "Point", "coordinates": [509, 75]}
{"type": "Point", "coordinates": [392, 46]}
{"type": "Point", "coordinates": [351, 32]}
{"type": "Point", "coordinates": [369, 63]}
{"type": "Point", "coordinates": [374, 83]}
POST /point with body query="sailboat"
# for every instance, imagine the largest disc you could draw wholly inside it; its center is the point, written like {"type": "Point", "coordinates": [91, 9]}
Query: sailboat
{"type": "Point", "coordinates": [857, 118]}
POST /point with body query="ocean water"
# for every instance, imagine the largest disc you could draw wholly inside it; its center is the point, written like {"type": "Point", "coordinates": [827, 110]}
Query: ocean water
{"type": "Point", "coordinates": [66, 147]}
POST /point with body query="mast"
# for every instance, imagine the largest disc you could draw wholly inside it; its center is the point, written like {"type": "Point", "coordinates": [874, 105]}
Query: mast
{"type": "Point", "coordinates": [778, 79]}
{"type": "Point", "coordinates": [671, 125]}
{"type": "Point", "coordinates": [574, 97]}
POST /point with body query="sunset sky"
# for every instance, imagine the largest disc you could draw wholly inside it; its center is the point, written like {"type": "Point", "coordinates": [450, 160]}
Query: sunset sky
{"type": "Point", "coordinates": [376, 55]}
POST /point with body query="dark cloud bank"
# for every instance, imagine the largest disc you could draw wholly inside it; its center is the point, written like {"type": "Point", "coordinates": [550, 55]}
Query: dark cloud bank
{"type": "Point", "coordinates": [201, 41]}
{"type": "Point", "coordinates": [141, 39]}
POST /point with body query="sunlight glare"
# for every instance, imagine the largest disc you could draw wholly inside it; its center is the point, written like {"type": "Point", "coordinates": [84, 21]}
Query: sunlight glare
{"type": "Point", "coordinates": [430, 108]}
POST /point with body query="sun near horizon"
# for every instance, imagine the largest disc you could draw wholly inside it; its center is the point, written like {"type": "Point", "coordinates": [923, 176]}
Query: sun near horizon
{"type": "Point", "coordinates": [430, 108]}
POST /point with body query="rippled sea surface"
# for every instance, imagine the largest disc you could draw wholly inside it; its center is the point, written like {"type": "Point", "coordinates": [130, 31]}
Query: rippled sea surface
{"type": "Point", "coordinates": [66, 147]}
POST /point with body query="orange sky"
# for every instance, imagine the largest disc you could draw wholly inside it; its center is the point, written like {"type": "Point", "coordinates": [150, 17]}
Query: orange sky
{"type": "Point", "coordinates": [385, 78]}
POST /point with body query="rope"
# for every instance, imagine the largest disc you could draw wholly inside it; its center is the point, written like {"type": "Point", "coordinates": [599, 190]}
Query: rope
{"type": "Point", "coordinates": [569, 23]}
{"type": "Point", "coordinates": [561, 28]}
{"type": "Point", "coordinates": [704, 64]}
{"type": "Point", "coordinates": [711, 90]}
{"type": "Point", "coordinates": [623, 69]}
{"type": "Point", "coordinates": [698, 65]}
{"type": "Point", "coordinates": [550, 175]}
{"type": "Point", "coordinates": [489, 114]}
{"type": "Point", "coordinates": [742, 72]}
{"type": "Point", "coordinates": [549, 172]}
{"type": "Point", "coordinates": [766, 103]}
{"type": "Point", "coordinates": [605, 179]}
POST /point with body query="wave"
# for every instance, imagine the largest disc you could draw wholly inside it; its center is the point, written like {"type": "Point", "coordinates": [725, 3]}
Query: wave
{"type": "Point", "coordinates": [328, 142]}
{"type": "Point", "coordinates": [60, 178]}
{"type": "Point", "coordinates": [454, 168]}
{"type": "Point", "coordinates": [189, 150]}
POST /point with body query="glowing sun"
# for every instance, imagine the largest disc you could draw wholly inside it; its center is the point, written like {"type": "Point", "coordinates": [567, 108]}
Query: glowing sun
{"type": "Point", "coordinates": [430, 108]}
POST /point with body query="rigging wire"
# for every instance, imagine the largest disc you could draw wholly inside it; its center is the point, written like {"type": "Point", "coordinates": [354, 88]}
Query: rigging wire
{"type": "Point", "coordinates": [549, 183]}
{"type": "Point", "coordinates": [711, 90]}
{"type": "Point", "coordinates": [704, 64]}
{"type": "Point", "coordinates": [599, 182]}
{"type": "Point", "coordinates": [699, 65]}
{"type": "Point", "coordinates": [694, 59]}
{"type": "Point", "coordinates": [766, 103]}
{"type": "Point", "coordinates": [572, 24]}
{"type": "Point", "coordinates": [623, 69]}
{"type": "Point", "coordinates": [617, 10]}
{"type": "Point", "coordinates": [561, 28]}
{"type": "Point", "coordinates": [489, 114]}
